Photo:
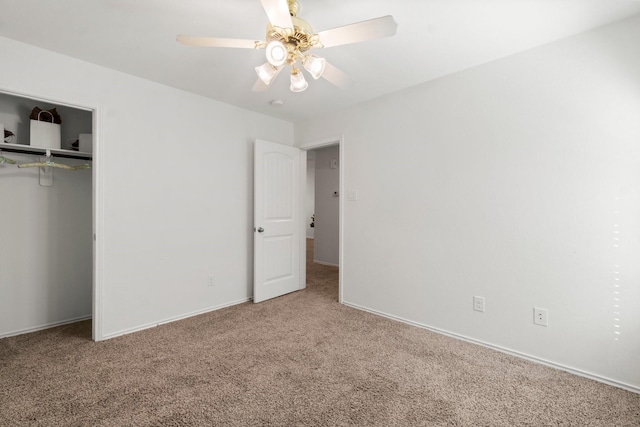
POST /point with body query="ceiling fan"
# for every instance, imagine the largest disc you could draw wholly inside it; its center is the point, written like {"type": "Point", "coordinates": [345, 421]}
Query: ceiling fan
{"type": "Point", "coordinates": [288, 38]}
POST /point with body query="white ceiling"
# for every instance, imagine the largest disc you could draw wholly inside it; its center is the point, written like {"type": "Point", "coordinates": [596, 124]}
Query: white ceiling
{"type": "Point", "coordinates": [434, 38]}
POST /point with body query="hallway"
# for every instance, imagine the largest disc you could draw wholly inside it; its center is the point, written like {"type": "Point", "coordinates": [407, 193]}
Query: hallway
{"type": "Point", "coordinates": [322, 279]}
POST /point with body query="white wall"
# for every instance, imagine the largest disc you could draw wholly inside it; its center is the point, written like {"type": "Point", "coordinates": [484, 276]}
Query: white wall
{"type": "Point", "coordinates": [310, 192]}
{"type": "Point", "coordinates": [519, 181]}
{"type": "Point", "coordinates": [326, 243]}
{"type": "Point", "coordinates": [175, 186]}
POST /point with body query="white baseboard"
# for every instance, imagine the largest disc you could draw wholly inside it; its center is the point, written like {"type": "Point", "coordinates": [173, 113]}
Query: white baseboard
{"type": "Point", "coordinates": [325, 263]}
{"type": "Point", "coordinates": [43, 327]}
{"type": "Point", "coordinates": [173, 319]}
{"type": "Point", "coordinates": [535, 359]}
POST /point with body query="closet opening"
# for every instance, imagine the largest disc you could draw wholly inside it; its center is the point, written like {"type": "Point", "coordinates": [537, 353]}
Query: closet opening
{"type": "Point", "coordinates": [47, 182]}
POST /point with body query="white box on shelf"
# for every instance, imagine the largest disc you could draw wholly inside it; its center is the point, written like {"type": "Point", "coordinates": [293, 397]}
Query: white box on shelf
{"type": "Point", "coordinates": [85, 143]}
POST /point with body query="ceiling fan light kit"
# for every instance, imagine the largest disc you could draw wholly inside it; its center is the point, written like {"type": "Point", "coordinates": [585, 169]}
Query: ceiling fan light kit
{"type": "Point", "coordinates": [266, 72]}
{"type": "Point", "coordinates": [298, 82]}
{"type": "Point", "coordinates": [288, 38]}
{"type": "Point", "coordinates": [314, 65]}
{"type": "Point", "coordinates": [277, 53]}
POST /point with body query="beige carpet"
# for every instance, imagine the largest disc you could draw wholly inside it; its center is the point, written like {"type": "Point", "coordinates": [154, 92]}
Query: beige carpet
{"type": "Point", "coordinates": [298, 360]}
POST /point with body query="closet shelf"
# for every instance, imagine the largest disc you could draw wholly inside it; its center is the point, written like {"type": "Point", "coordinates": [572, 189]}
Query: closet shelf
{"type": "Point", "coordinates": [28, 149]}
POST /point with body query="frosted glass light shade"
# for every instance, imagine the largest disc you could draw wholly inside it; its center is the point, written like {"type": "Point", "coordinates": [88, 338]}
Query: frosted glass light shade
{"type": "Point", "coordinates": [314, 65]}
{"type": "Point", "coordinates": [298, 82]}
{"type": "Point", "coordinates": [266, 72]}
{"type": "Point", "coordinates": [276, 53]}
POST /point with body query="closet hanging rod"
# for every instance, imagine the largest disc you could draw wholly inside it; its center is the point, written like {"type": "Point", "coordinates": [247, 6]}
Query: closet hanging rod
{"type": "Point", "coordinates": [27, 149]}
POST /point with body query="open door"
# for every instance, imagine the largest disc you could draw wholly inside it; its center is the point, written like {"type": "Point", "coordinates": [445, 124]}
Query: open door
{"type": "Point", "coordinates": [277, 222]}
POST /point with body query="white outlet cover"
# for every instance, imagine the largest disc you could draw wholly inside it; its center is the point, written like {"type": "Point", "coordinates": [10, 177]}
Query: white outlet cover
{"type": "Point", "coordinates": [541, 316]}
{"type": "Point", "coordinates": [478, 304]}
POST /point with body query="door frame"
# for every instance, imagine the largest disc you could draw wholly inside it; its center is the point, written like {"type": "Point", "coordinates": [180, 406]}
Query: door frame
{"type": "Point", "coordinates": [314, 145]}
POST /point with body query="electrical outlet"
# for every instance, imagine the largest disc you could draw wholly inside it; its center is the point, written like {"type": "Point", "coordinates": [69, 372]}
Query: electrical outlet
{"type": "Point", "coordinates": [540, 316]}
{"type": "Point", "coordinates": [210, 280]}
{"type": "Point", "coordinates": [478, 304]}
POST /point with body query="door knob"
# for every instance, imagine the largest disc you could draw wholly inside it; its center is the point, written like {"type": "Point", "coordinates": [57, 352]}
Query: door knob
{"type": "Point", "coordinates": [260, 229]}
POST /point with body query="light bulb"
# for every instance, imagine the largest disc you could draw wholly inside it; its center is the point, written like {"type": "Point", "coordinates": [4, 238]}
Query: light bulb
{"type": "Point", "coordinates": [266, 72]}
{"type": "Point", "coordinates": [276, 53]}
{"type": "Point", "coordinates": [314, 65]}
{"type": "Point", "coordinates": [298, 82]}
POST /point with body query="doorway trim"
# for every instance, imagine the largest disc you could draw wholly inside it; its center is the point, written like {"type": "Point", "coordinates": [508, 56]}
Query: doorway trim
{"type": "Point", "coordinates": [313, 145]}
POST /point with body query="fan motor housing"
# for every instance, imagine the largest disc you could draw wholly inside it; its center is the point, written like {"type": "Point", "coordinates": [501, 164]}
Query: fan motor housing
{"type": "Point", "coordinates": [301, 37]}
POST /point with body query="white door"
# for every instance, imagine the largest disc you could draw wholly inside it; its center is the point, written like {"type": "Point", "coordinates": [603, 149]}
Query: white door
{"type": "Point", "coordinates": [276, 220]}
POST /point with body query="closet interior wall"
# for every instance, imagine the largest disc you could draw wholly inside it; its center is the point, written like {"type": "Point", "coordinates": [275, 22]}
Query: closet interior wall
{"type": "Point", "coordinates": [46, 248]}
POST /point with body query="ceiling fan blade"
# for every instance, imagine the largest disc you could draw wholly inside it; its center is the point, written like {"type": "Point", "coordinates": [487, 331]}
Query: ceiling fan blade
{"type": "Point", "coordinates": [278, 13]}
{"type": "Point", "coordinates": [337, 77]}
{"type": "Point", "coordinates": [214, 42]}
{"type": "Point", "coordinates": [261, 86]}
{"type": "Point", "coordinates": [359, 32]}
